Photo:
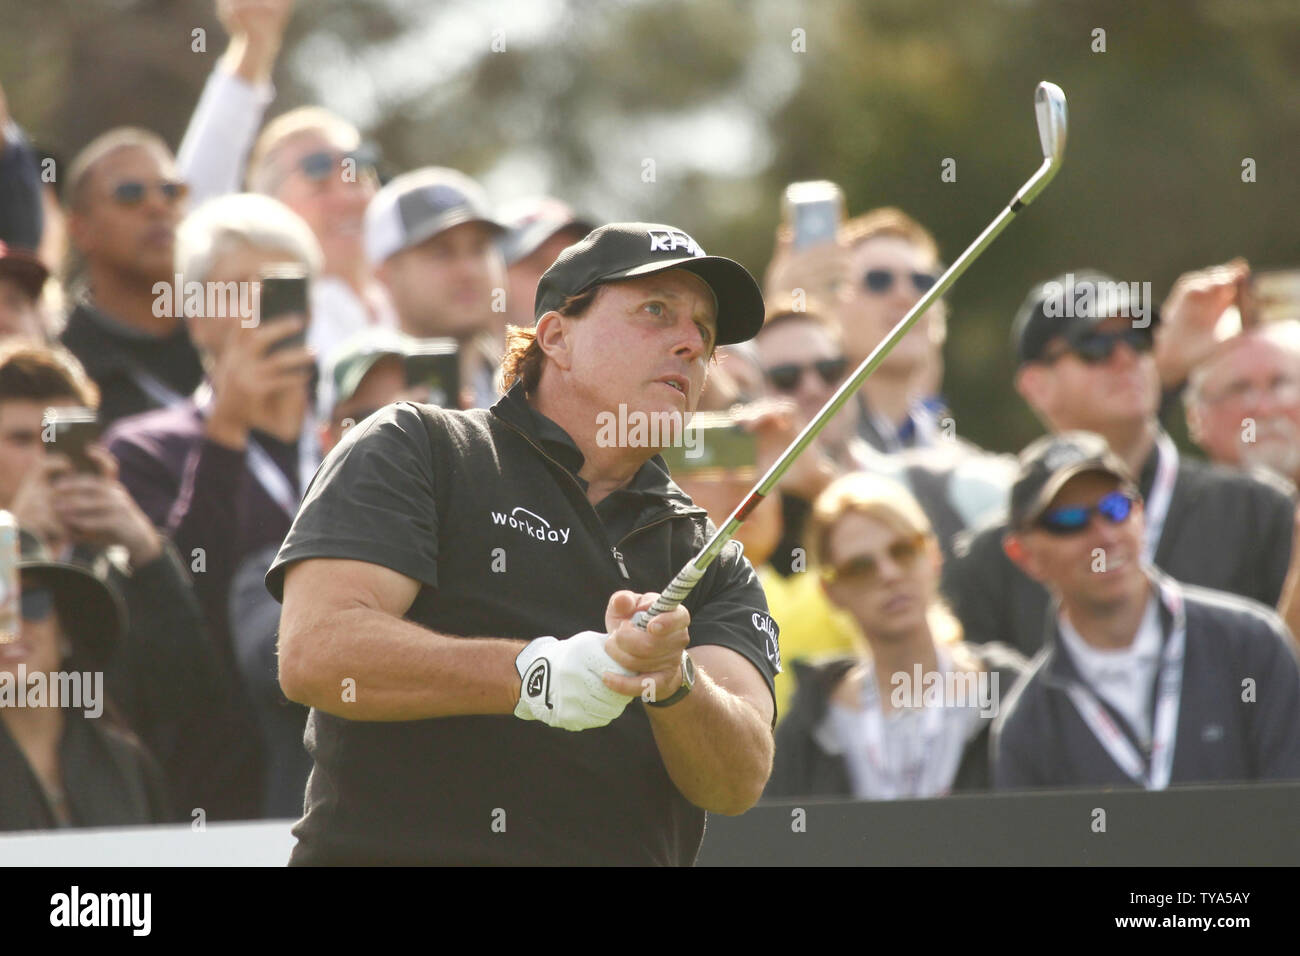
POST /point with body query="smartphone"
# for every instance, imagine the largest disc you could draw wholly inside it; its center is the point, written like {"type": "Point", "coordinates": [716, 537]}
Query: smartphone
{"type": "Point", "coordinates": [435, 364]}
{"type": "Point", "coordinates": [713, 444]}
{"type": "Point", "coordinates": [814, 211]}
{"type": "Point", "coordinates": [283, 293]}
{"type": "Point", "coordinates": [68, 431]}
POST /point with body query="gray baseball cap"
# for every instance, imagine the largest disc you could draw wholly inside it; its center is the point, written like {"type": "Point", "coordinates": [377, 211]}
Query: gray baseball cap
{"type": "Point", "coordinates": [532, 221]}
{"type": "Point", "coordinates": [420, 204]}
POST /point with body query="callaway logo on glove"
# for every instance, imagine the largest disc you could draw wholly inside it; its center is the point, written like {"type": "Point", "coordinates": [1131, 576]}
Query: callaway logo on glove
{"type": "Point", "coordinates": [561, 682]}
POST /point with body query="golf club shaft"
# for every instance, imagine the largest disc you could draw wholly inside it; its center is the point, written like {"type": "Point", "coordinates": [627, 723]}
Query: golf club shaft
{"type": "Point", "coordinates": [686, 579]}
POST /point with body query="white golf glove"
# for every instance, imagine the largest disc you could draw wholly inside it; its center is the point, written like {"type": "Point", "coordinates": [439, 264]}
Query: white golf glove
{"type": "Point", "coordinates": [561, 682]}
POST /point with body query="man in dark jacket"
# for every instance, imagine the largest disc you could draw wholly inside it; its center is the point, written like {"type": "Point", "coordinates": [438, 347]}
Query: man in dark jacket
{"type": "Point", "coordinates": [125, 200]}
{"type": "Point", "coordinates": [434, 546]}
{"type": "Point", "coordinates": [1087, 364]}
{"type": "Point", "coordinates": [1142, 680]}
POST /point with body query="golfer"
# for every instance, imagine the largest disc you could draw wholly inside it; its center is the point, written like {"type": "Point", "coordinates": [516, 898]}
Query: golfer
{"type": "Point", "coordinates": [459, 588]}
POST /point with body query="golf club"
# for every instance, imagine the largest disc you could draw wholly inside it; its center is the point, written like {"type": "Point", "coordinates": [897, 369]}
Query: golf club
{"type": "Point", "coordinates": [1050, 113]}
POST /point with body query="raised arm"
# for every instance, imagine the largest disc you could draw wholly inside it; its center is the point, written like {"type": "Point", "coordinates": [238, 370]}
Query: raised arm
{"type": "Point", "coordinates": [229, 113]}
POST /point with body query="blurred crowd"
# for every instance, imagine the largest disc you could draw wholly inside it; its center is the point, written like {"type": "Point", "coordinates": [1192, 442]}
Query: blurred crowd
{"type": "Point", "coordinates": [894, 548]}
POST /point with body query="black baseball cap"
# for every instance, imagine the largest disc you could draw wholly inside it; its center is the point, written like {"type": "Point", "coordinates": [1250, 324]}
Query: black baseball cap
{"type": "Point", "coordinates": [1048, 463]}
{"type": "Point", "coordinates": [1068, 305]}
{"type": "Point", "coordinates": [24, 268]}
{"type": "Point", "coordinates": [624, 250]}
{"type": "Point", "coordinates": [91, 611]}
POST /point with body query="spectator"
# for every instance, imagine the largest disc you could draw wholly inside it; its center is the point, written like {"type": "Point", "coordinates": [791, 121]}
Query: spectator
{"type": "Point", "coordinates": [313, 161]}
{"type": "Point", "coordinates": [125, 200]}
{"type": "Point", "coordinates": [538, 230]}
{"type": "Point", "coordinates": [432, 240]}
{"type": "Point", "coordinates": [22, 277]}
{"type": "Point", "coordinates": [165, 675]}
{"type": "Point", "coordinates": [801, 358]}
{"type": "Point", "coordinates": [892, 261]}
{"type": "Point", "coordinates": [1095, 371]}
{"type": "Point", "coordinates": [21, 210]}
{"type": "Point", "coordinates": [367, 374]}
{"type": "Point", "coordinates": [223, 472]}
{"type": "Point", "coordinates": [1243, 402]}
{"type": "Point", "coordinates": [215, 149]}
{"type": "Point", "coordinates": [1143, 680]}
{"type": "Point", "coordinates": [908, 714]}
{"type": "Point", "coordinates": [880, 266]}
{"type": "Point", "coordinates": [69, 763]}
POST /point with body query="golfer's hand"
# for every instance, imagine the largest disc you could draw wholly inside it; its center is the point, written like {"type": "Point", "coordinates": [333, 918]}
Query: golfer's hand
{"type": "Point", "coordinates": [561, 682]}
{"type": "Point", "coordinates": [654, 656]}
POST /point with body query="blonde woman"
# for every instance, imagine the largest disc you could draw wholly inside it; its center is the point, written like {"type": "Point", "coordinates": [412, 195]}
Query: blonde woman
{"type": "Point", "coordinates": [909, 715]}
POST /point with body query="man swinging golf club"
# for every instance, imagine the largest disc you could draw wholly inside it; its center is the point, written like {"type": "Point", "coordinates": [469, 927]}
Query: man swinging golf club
{"type": "Point", "coordinates": [437, 552]}
{"type": "Point", "coordinates": [425, 529]}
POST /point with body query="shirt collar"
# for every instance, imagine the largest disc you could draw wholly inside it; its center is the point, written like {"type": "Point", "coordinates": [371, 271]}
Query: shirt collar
{"type": "Point", "coordinates": [651, 479]}
{"type": "Point", "coordinates": [1163, 613]}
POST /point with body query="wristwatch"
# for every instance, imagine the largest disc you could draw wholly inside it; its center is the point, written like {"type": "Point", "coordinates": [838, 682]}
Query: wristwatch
{"type": "Point", "coordinates": [688, 682]}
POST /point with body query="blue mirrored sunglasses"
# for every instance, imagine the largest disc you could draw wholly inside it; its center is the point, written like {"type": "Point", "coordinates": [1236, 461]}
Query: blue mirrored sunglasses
{"type": "Point", "coordinates": [1114, 507]}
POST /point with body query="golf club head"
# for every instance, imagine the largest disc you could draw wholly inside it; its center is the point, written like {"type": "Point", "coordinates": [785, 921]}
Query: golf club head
{"type": "Point", "coordinates": [1049, 107]}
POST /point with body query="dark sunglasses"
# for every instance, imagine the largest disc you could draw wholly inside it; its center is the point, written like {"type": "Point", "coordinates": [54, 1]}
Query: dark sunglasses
{"type": "Point", "coordinates": [786, 378]}
{"type": "Point", "coordinates": [1114, 507]}
{"type": "Point", "coordinates": [1097, 347]}
{"type": "Point", "coordinates": [864, 570]}
{"type": "Point", "coordinates": [882, 280]}
{"type": "Point", "coordinates": [133, 192]}
{"type": "Point", "coordinates": [37, 602]}
{"type": "Point", "coordinates": [321, 165]}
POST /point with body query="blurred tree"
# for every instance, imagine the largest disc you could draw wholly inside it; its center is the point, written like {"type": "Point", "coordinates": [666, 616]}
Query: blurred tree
{"type": "Point", "coordinates": [725, 101]}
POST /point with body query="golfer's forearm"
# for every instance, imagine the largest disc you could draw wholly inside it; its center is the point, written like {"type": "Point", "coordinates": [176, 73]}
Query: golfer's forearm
{"type": "Point", "coordinates": [368, 665]}
{"type": "Point", "coordinates": [715, 747]}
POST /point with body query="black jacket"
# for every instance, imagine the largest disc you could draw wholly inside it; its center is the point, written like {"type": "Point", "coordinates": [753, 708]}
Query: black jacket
{"type": "Point", "coordinates": [802, 768]}
{"type": "Point", "coordinates": [1226, 529]}
{"type": "Point", "coordinates": [121, 361]}
{"type": "Point", "coordinates": [1238, 717]}
{"type": "Point", "coordinates": [174, 691]}
{"type": "Point", "coordinates": [109, 778]}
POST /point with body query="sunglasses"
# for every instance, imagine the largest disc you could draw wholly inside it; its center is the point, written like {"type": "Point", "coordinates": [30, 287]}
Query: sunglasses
{"type": "Point", "coordinates": [1097, 347]}
{"type": "Point", "coordinates": [786, 378]}
{"type": "Point", "coordinates": [133, 192]}
{"type": "Point", "coordinates": [37, 602]}
{"type": "Point", "coordinates": [319, 166]}
{"type": "Point", "coordinates": [1114, 507]}
{"type": "Point", "coordinates": [881, 281]}
{"type": "Point", "coordinates": [864, 570]}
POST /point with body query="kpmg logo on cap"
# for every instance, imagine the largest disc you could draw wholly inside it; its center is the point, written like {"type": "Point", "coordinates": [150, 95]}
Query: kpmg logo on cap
{"type": "Point", "coordinates": [670, 240]}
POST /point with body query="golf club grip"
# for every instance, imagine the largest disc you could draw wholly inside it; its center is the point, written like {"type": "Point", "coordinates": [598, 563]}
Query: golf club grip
{"type": "Point", "coordinates": [673, 595]}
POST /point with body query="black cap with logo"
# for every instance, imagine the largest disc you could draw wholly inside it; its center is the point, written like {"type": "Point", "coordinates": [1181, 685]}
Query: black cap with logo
{"type": "Point", "coordinates": [1070, 305]}
{"type": "Point", "coordinates": [1048, 463]}
{"type": "Point", "coordinates": [624, 250]}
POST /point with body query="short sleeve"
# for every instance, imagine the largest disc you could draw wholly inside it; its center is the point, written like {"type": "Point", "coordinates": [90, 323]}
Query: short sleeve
{"type": "Point", "coordinates": [732, 612]}
{"type": "Point", "coordinates": [372, 499]}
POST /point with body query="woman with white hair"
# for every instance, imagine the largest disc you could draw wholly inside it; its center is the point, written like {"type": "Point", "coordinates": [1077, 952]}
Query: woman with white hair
{"type": "Point", "coordinates": [909, 715]}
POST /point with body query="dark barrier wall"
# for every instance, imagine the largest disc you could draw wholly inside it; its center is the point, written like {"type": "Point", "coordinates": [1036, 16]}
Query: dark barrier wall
{"type": "Point", "coordinates": [1190, 826]}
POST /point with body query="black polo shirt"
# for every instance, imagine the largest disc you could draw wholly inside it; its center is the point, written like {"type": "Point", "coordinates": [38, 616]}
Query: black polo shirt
{"type": "Point", "coordinates": [485, 509]}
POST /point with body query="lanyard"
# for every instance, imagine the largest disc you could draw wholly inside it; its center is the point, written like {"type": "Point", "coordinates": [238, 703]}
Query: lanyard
{"type": "Point", "coordinates": [1162, 492]}
{"type": "Point", "coordinates": [263, 466]}
{"type": "Point", "coordinates": [1155, 775]}
{"type": "Point", "coordinates": [928, 770]}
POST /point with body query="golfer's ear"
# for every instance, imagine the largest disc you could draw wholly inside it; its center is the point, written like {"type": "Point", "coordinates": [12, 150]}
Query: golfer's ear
{"type": "Point", "coordinates": [553, 339]}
